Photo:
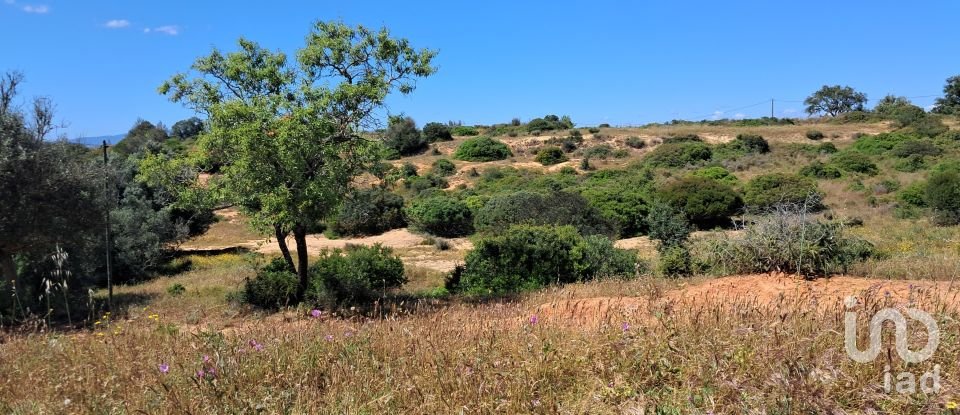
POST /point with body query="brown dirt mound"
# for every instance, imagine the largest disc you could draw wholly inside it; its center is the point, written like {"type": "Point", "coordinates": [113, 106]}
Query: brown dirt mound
{"type": "Point", "coordinates": [762, 290]}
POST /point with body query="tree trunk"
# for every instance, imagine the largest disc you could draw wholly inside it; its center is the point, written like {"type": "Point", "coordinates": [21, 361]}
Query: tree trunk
{"type": "Point", "coordinates": [300, 236]}
{"type": "Point", "coordinates": [8, 276]}
{"type": "Point", "coordinates": [282, 241]}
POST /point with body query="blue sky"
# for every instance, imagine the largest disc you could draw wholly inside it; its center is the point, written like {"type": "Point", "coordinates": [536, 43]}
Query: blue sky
{"type": "Point", "coordinates": [618, 62]}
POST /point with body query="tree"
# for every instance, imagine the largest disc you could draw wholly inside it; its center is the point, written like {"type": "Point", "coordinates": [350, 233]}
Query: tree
{"type": "Point", "coordinates": [435, 131]}
{"type": "Point", "coordinates": [835, 100]}
{"type": "Point", "coordinates": [48, 196]}
{"type": "Point", "coordinates": [141, 135]}
{"type": "Point", "coordinates": [403, 137]}
{"type": "Point", "coordinates": [288, 135]}
{"type": "Point", "coordinates": [188, 128]}
{"type": "Point", "coordinates": [950, 102]}
{"type": "Point", "coordinates": [890, 105]}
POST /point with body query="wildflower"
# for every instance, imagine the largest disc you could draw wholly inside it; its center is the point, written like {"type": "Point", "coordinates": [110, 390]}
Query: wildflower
{"type": "Point", "coordinates": [164, 368]}
{"type": "Point", "coordinates": [100, 334]}
{"type": "Point", "coordinates": [256, 346]}
{"type": "Point", "coordinates": [206, 359]}
{"type": "Point", "coordinates": [315, 313]}
{"type": "Point", "coordinates": [952, 405]}
{"type": "Point", "coordinates": [200, 373]}
{"type": "Point", "coordinates": [625, 326]}
{"type": "Point", "coordinates": [348, 333]}
{"type": "Point", "coordinates": [329, 338]}
{"type": "Point", "coordinates": [534, 319]}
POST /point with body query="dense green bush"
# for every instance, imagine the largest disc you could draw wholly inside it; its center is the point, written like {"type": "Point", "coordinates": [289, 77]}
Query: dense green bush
{"type": "Point", "coordinates": [820, 170]}
{"type": "Point", "coordinates": [815, 135]}
{"type": "Point", "coordinates": [678, 154]}
{"type": "Point", "coordinates": [533, 208]}
{"type": "Point", "coordinates": [602, 152]}
{"type": "Point", "coordinates": [880, 143]}
{"type": "Point", "coordinates": [854, 161]}
{"type": "Point", "coordinates": [550, 155]}
{"type": "Point", "coordinates": [675, 262]}
{"type": "Point", "coordinates": [717, 173]}
{"type": "Point", "coordinates": [928, 126]}
{"type": "Point", "coordinates": [550, 122]}
{"type": "Point", "coordinates": [668, 226]}
{"type": "Point", "coordinates": [744, 144]}
{"type": "Point", "coordinates": [621, 197]}
{"type": "Point", "coordinates": [444, 167]}
{"type": "Point", "coordinates": [768, 190]}
{"type": "Point", "coordinates": [441, 216]}
{"type": "Point", "coordinates": [355, 275]}
{"type": "Point", "coordinates": [369, 212]}
{"type": "Point", "coordinates": [943, 196]}
{"type": "Point", "coordinates": [274, 286]}
{"type": "Point", "coordinates": [403, 137]}
{"type": "Point", "coordinates": [914, 194]}
{"type": "Point", "coordinates": [635, 142]}
{"type": "Point", "coordinates": [428, 181]}
{"type": "Point", "coordinates": [434, 132]}
{"type": "Point", "coordinates": [528, 257]}
{"type": "Point", "coordinates": [705, 202]}
{"type": "Point", "coordinates": [464, 130]}
{"type": "Point", "coordinates": [910, 164]}
{"type": "Point", "coordinates": [482, 149]}
{"type": "Point", "coordinates": [916, 147]}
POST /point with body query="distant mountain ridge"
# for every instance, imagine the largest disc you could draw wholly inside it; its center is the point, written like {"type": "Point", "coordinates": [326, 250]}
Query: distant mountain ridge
{"type": "Point", "coordinates": [96, 141]}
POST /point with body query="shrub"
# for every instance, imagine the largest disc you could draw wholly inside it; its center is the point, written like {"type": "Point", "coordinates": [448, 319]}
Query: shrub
{"type": "Point", "coordinates": [826, 148]}
{"type": "Point", "coordinates": [683, 138]}
{"type": "Point", "coordinates": [274, 286]}
{"type": "Point", "coordinates": [820, 170]}
{"type": "Point", "coordinates": [928, 126]}
{"type": "Point", "coordinates": [403, 137]}
{"type": "Point", "coordinates": [705, 202]}
{"type": "Point", "coordinates": [854, 161]}
{"type": "Point", "coordinates": [788, 239]}
{"type": "Point", "coordinates": [551, 155]}
{"type": "Point", "coordinates": [408, 169]}
{"type": "Point", "coordinates": [441, 216]}
{"type": "Point", "coordinates": [766, 191]}
{"type": "Point", "coordinates": [744, 144]}
{"type": "Point", "coordinates": [531, 208]}
{"type": "Point", "coordinates": [429, 181]}
{"type": "Point", "coordinates": [369, 212]}
{"type": "Point", "coordinates": [635, 142]}
{"type": "Point", "coordinates": [621, 196]}
{"type": "Point", "coordinates": [176, 290]}
{"type": "Point", "coordinates": [717, 173]}
{"type": "Point", "coordinates": [678, 154]}
{"type": "Point", "coordinates": [914, 194]}
{"type": "Point", "coordinates": [943, 196]}
{"type": "Point", "coordinates": [916, 147]}
{"type": "Point", "coordinates": [434, 131]}
{"type": "Point", "coordinates": [910, 164]}
{"type": "Point", "coordinates": [815, 135]}
{"type": "Point", "coordinates": [549, 122]}
{"type": "Point", "coordinates": [668, 226]}
{"type": "Point", "coordinates": [464, 130]}
{"type": "Point", "coordinates": [444, 167]}
{"type": "Point", "coordinates": [354, 275]}
{"type": "Point", "coordinates": [674, 262]}
{"type": "Point", "coordinates": [593, 130]}
{"type": "Point", "coordinates": [880, 143]}
{"type": "Point", "coordinates": [620, 153]}
{"type": "Point", "coordinates": [528, 257]}
{"type": "Point", "coordinates": [601, 151]}
{"type": "Point", "coordinates": [482, 149]}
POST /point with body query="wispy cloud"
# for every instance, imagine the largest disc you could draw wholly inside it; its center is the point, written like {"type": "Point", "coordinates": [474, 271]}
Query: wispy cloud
{"type": "Point", "coordinates": [739, 116]}
{"type": "Point", "coordinates": [167, 30]}
{"type": "Point", "coordinates": [716, 115]}
{"type": "Point", "coordinates": [37, 9]}
{"type": "Point", "coordinates": [117, 24]}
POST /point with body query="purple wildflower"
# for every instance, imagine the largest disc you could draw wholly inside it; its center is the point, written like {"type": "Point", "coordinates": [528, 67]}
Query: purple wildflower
{"type": "Point", "coordinates": [315, 313]}
{"type": "Point", "coordinates": [534, 319]}
{"type": "Point", "coordinates": [625, 326]}
{"type": "Point", "coordinates": [206, 359]}
{"type": "Point", "coordinates": [329, 338]}
{"type": "Point", "coordinates": [164, 368]}
{"type": "Point", "coordinates": [200, 373]}
{"type": "Point", "coordinates": [256, 346]}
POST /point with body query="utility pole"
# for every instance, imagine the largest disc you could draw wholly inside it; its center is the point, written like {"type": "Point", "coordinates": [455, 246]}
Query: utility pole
{"type": "Point", "coordinates": [771, 107]}
{"type": "Point", "coordinates": [106, 216]}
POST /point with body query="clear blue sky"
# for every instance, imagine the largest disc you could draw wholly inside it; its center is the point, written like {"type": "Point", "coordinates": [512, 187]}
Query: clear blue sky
{"type": "Point", "coordinates": [620, 62]}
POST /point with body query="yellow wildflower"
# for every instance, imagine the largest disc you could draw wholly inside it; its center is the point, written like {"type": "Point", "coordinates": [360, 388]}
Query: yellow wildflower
{"type": "Point", "coordinates": [951, 405]}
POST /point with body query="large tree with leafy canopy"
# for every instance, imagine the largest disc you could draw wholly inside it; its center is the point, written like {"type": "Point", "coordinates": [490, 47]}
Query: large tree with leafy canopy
{"type": "Point", "coordinates": [288, 134]}
{"type": "Point", "coordinates": [835, 100]}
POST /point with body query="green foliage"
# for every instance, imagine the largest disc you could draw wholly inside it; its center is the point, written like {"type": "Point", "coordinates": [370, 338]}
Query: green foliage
{"type": "Point", "coordinates": [820, 170]}
{"type": "Point", "coordinates": [528, 257]}
{"type": "Point", "coordinates": [635, 142]}
{"type": "Point", "coordinates": [835, 100]}
{"type": "Point", "coordinates": [717, 173]}
{"type": "Point", "coordinates": [678, 154]}
{"type": "Point", "coordinates": [814, 135]}
{"type": "Point", "coordinates": [768, 190]}
{"type": "Point", "coordinates": [188, 128]}
{"type": "Point", "coordinates": [550, 155]}
{"type": "Point", "coordinates": [403, 137]}
{"type": "Point", "coordinates": [431, 181]}
{"type": "Point", "coordinates": [602, 152]}
{"type": "Point", "coordinates": [286, 132]}
{"type": "Point", "coordinates": [788, 239]}
{"type": "Point", "coordinates": [675, 262]}
{"type": "Point", "coordinates": [143, 135]}
{"type": "Point", "coordinates": [356, 275]}
{"type": "Point", "coordinates": [880, 143]}
{"type": "Point", "coordinates": [549, 123]}
{"type": "Point", "coordinates": [910, 164]}
{"type": "Point", "coordinates": [943, 196]}
{"type": "Point", "coordinates": [668, 226]}
{"type": "Point", "coordinates": [744, 144]}
{"type": "Point", "coordinates": [621, 196]}
{"type": "Point", "coordinates": [890, 106]}
{"type": "Point", "coordinates": [704, 202]}
{"type": "Point", "coordinates": [854, 161]}
{"type": "Point", "coordinates": [950, 102]}
{"type": "Point", "coordinates": [464, 130]}
{"type": "Point", "coordinates": [441, 216]}
{"type": "Point", "coordinates": [914, 194]}
{"type": "Point", "coordinates": [916, 147]}
{"type": "Point", "coordinates": [928, 126]}
{"type": "Point", "coordinates": [434, 132]}
{"type": "Point", "coordinates": [482, 149]}
{"type": "Point", "coordinates": [533, 208]}
{"type": "Point", "coordinates": [369, 212]}
{"type": "Point", "coordinates": [275, 286]}
{"type": "Point", "coordinates": [176, 290]}
{"type": "Point", "coordinates": [593, 130]}
{"type": "Point", "coordinates": [444, 167]}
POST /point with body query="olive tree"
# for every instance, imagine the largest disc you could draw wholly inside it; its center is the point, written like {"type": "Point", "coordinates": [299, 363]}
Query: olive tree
{"type": "Point", "coordinates": [950, 102]}
{"type": "Point", "coordinates": [288, 134]}
{"type": "Point", "coordinates": [835, 100]}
